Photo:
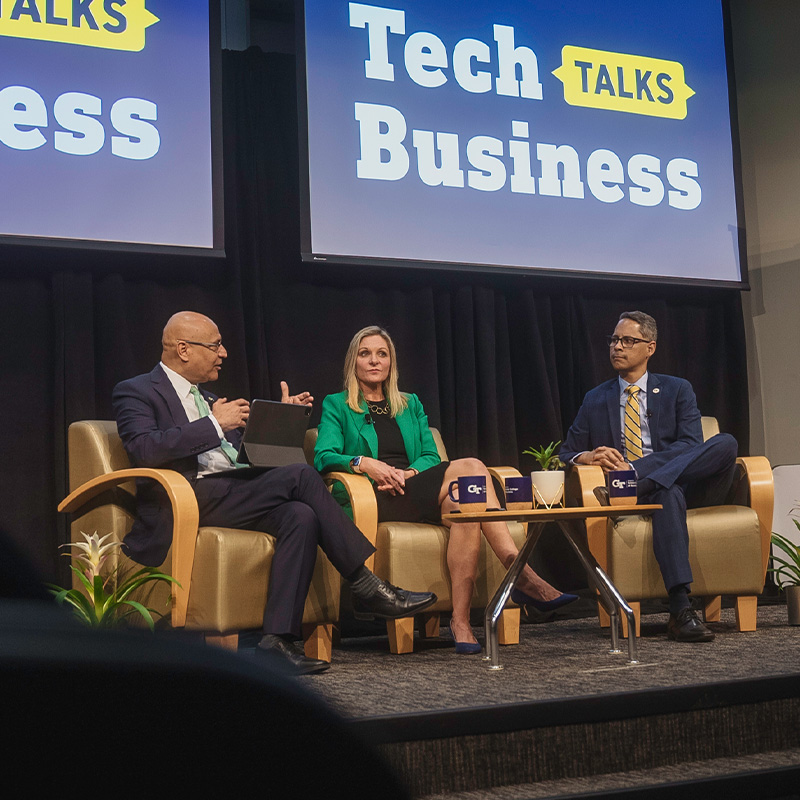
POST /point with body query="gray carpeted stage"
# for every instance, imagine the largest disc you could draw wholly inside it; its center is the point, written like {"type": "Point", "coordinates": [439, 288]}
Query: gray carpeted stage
{"type": "Point", "coordinates": [566, 718]}
{"type": "Point", "coordinates": [564, 658]}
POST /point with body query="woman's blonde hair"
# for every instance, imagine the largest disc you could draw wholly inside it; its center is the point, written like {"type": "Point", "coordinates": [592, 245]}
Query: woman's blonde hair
{"type": "Point", "coordinates": [397, 400]}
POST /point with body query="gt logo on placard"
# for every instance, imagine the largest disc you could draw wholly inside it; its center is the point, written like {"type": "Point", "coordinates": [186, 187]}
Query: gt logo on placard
{"type": "Point", "coordinates": [110, 24]}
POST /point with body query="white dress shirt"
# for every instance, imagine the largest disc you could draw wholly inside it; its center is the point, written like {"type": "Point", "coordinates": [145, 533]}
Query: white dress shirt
{"type": "Point", "coordinates": [212, 460]}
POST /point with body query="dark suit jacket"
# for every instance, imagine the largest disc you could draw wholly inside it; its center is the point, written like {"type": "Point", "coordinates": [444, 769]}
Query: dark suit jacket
{"type": "Point", "coordinates": [156, 432]}
{"type": "Point", "coordinates": [674, 419]}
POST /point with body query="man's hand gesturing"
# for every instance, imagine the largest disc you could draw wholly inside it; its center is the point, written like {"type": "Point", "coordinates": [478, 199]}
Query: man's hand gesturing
{"type": "Point", "coordinates": [231, 414]}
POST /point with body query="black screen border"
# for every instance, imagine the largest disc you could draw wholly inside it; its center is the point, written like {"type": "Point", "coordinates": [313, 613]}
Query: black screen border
{"type": "Point", "coordinates": [308, 255]}
{"type": "Point", "coordinates": [217, 249]}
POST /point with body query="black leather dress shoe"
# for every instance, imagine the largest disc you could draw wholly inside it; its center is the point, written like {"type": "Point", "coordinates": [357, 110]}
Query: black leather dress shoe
{"type": "Point", "coordinates": [289, 656]}
{"type": "Point", "coordinates": [686, 627]}
{"type": "Point", "coordinates": [389, 602]}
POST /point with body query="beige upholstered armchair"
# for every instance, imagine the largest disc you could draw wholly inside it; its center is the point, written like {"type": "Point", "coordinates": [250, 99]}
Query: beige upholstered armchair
{"type": "Point", "coordinates": [728, 545]}
{"type": "Point", "coordinates": [414, 555]}
{"type": "Point", "coordinates": [223, 572]}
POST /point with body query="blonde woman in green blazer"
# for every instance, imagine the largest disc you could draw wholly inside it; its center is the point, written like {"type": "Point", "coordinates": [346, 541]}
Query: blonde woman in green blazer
{"type": "Point", "coordinates": [373, 428]}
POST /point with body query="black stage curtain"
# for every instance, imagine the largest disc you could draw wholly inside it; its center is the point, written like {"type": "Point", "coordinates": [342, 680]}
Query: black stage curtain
{"type": "Point", "coordinates": [500, 362]}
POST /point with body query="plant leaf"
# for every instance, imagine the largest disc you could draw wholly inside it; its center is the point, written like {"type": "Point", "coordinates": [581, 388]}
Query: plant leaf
{"type": "Point", "coordinates": [145, 612]}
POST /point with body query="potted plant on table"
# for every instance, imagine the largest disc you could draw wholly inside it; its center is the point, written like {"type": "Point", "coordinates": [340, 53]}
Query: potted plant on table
{"type": "Point", "coordinates": [548, 481]}
{"type": "Point", "coordinates": [787, 573]}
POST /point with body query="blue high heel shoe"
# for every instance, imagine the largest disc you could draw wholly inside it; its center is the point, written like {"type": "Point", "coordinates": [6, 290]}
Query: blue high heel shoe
{"type": "Point", "coordinates": [464, 648]}
{"type": "Point", "coordinates": [522, 599]}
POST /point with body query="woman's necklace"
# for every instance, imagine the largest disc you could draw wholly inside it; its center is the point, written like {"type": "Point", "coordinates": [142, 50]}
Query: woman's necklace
{"type": "Point", "coordinates": [380, 408]}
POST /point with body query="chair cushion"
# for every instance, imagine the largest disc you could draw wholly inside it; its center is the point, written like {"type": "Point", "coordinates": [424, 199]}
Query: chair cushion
{"type": "Point", "coordinates": [226, 558]}
{"type": "Point", "coordinates": [724, 553]}
{"type": "Point", "coordinates": [414, 556]}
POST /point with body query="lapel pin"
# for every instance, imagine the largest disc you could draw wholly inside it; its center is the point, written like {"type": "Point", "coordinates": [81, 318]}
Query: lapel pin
{"type": "Point", "coordinates": [656, 390]}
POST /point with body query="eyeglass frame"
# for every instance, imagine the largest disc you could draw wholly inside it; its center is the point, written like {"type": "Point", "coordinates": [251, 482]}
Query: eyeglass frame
{"type": "Point", "coordinates": [621, 340]}
{"type": "Point", "coordinates": [212, 346]}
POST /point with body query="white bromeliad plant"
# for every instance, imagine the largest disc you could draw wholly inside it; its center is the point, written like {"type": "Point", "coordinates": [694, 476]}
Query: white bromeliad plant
{"type": "Point", "coordinates": [104, 602]}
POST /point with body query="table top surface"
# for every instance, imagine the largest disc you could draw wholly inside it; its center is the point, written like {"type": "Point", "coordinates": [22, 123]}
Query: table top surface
{"type": "Point", "coordinates": [550, 514]}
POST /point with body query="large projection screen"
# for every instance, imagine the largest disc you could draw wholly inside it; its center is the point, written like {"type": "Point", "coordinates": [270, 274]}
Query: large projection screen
{"type": "Point", "coordinates": [108, 124]}
{"type": "Point", "coordinates": [584, 137]}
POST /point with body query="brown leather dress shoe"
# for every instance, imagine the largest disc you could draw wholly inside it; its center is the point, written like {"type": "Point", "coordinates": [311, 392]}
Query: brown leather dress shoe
{"type": "Point", "coordinates": [686, 627]}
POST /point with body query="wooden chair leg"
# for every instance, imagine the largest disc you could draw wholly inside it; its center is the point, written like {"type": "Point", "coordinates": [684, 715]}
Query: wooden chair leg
{"type": "Point", "coordinates": [228, 641]}
{"type": "Point", "coordinates": [430, 624]}
{"type": "Point", "coordinates": [318, 641]}
{"type": "Point", "coordinates": [602, 615]}
{"type": "Point", "coordinates": [712, 606]}
{"type": "Point", "coordinates": [401, 635]}
{"type": "Point", "coordinates": [746, 608]}
{"type": "Point", "coordinates": [508, 626]}
{"type": "Point", "coordinates": [637, 615]}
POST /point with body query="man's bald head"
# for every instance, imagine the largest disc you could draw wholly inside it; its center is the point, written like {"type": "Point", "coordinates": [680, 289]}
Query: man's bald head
{"type": "Point", "coordinates": [187, 325]}
{"type": "Point", "coordinates": [188, 346]}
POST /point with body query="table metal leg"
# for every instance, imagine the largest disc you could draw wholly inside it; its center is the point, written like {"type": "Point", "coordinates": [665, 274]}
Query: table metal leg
{"type": "Point", "coordinates": [498, 602]}
{"type": "Point", "coordinates": [612, 599]}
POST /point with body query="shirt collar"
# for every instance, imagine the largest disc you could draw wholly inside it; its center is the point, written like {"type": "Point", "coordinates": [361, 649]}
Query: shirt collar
{"type": "Point", "coordinates": [641, 383]}
{"type": "Point", "coordinates": [179, 383]}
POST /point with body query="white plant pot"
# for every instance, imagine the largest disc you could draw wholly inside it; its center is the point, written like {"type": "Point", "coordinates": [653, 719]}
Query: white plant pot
{"type": "Point", "coordinates": [548, 488]}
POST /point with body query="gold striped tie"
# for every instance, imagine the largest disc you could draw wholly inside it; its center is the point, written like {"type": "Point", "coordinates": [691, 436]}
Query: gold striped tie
{"type": "Point", "coordinates": [632, 435]}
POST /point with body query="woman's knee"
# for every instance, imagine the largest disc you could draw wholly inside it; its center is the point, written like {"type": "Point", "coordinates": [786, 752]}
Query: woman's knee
{"type": "Point", "coordinates": [469, 466]}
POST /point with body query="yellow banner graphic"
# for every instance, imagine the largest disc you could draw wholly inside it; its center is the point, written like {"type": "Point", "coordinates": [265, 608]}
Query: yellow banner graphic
{"type": "Point", "coordinates": [621, 82]}
{"type": "Point", "coordinates": [111, 24]}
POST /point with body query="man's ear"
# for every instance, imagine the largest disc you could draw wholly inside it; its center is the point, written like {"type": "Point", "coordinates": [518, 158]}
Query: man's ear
{"type": "Point", "coordinates": [651, 348]}
{"type": "Point", "coordinates": [182, 351]}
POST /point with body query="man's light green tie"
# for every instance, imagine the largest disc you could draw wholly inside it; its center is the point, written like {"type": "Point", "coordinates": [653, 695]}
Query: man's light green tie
{"type": "Point", "coordinates": [205, 411]}
{"type": "Point", "coordinates": [632, 435]}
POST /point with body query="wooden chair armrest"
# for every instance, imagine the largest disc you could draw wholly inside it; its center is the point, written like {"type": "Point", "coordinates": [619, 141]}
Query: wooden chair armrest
{"type": "Point", "coordinates": [760, 486]}
{"type": "Point", "coordinates": [581, 482]}
{"type": "Point", "coordinates": [500, 474]}
{"type": "Point", "coordinates": [185, 519]}
{"type": "Point", "coordinates": [362, 501]}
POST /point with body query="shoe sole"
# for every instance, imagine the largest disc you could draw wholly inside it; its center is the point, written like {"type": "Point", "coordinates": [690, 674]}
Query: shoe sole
{"type": "Point", "coordinates": [705, 637]}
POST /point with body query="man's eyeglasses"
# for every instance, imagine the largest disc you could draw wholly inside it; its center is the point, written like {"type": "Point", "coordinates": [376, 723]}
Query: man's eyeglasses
{"type": "Point", "coordinates": [213, 346]}
{"type": "Point", "coordinates": [626, 341]}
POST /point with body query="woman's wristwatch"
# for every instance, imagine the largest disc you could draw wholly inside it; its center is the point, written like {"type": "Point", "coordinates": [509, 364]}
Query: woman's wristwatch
{"type": "Point", "coordinates": [355, 464]}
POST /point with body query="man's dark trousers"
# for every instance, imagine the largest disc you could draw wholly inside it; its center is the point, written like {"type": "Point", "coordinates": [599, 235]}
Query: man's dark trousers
{"type": "Point", "coordinates": [292, 504]}
{"type": "Point", "coordinates": [705, 481]}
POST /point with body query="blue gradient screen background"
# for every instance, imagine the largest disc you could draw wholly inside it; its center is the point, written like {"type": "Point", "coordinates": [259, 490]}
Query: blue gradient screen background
{"type": "Point", "coordinates": [163, 200]}
{"type": "Point", "coordinates": [408, 220]}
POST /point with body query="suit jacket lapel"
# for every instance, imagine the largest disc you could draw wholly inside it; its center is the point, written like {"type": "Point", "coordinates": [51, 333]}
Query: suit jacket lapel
{"type": "Point", "coordinates": [409, 430]}
{"type": "Point", "coordinates": [164, 387]}
{"type": "Point", "coordinates": [653, 409]}
{"type": "Point", "coordinates": [365, 430]}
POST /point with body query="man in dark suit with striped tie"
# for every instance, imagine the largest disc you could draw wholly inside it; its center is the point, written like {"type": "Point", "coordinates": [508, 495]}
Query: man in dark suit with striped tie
{"type": "Point", "coordinates": [651, 423]}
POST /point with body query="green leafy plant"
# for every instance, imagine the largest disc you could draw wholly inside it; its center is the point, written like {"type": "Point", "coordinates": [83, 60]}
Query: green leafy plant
{"type": "Point", "coordinates": [788, 573]}
{"type": "Point", "coordinates": [104, 602]}
{"type": "Point", "coordinates": [546, 456]}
